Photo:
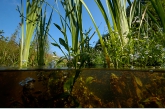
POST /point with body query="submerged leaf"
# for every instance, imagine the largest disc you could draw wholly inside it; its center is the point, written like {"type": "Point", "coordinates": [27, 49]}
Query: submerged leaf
{"type": "Point", "coordinates": [138, 81]}
{"type": "Point", "coordinates": [138, 92]}
{"type": "Point", "coordinates": [68, 84]}
{"type": "Point", "coordinates": [123, 84]}
{"type": "Point", "coordinates": [113, 76]}
{"type": "Point", "coordinates": [153, 102]}
{"type": "Point", "coordinates": [119, 90]}
{"type": "Point", "coordinates": [89, 80]}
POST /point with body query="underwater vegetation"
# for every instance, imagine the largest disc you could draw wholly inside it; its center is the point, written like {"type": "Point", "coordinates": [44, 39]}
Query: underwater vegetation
{"type": "Point", "coordinates": [46, 90]}
{"type": "Point", "coordinates": [120, 89]}
{"type": "Point", "coordinates": [114, 89]}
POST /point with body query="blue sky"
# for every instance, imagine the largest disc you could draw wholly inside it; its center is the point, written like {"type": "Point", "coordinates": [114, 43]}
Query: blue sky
{"type": "Point", "coordinates": [10, 19]}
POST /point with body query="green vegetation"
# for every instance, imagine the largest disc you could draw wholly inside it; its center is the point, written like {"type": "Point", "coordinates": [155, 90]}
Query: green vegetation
{"type": "Point", "coordinates": [93, 88]}
{"type": "Point", "coordinates": [140, 47]}
{"type": "Point", "coordinates": [42, 38]}
{"type": "Point", "coordinates": [134, 38]}
{"type": "Point", "coordinates": [9, 50]}
{"type": "Point", "coordinates": [32, 15]}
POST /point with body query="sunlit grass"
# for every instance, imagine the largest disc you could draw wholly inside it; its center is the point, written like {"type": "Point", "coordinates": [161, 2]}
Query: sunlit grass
{"type": "Point", "coordinates": [33, 9]}
{"type": "Point", "coordinates": [42, 38]}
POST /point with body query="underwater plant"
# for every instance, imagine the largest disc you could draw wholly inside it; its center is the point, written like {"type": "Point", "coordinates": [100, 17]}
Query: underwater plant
{"type": "Point", "coordinates": [52, 91]}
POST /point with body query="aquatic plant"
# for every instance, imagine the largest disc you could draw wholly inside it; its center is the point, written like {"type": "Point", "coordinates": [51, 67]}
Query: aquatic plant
{"type": "Point", "coordinates": [160, 11]}
{"type": "Point", "coordinates": [91, 53]}
{"type": "Point", "coordinates": [53, 93]}
{"type": "Point", "coordinates": [42, 37]}
{"type": "Point", "coordinates": [126, 89]}
{"type": "Point", "coordinates": [100, 37]}
{"type": "Point", "coordinates": [117, 10]}
{"type": "Point", "coordinates": [72, 22]}
{"type": "Point", "coordinates": [33, 9]}
{"type": "Point", "coordinates": [140, 50]}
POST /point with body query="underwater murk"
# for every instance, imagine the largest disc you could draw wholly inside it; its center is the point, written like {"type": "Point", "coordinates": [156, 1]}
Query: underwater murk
{"type": "Point", "coordinates": [84, 88]}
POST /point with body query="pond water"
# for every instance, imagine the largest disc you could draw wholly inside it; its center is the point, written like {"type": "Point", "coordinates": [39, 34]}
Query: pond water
{"type": "Point", "coordinates": [108, 88]}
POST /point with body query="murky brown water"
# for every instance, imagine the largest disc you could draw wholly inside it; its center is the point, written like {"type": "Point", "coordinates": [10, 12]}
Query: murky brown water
{"type": "Point", "coordinates": [93, 88]}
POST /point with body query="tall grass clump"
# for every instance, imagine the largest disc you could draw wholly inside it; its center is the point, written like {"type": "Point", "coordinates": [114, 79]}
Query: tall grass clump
{"type": "Point", "coordinates": [72, 22]}
{"type": "Point", "coordinates": [160, 11]}
{"type": "Point", "coordinates": [31, 16]}
{"type": "Point", "coordinates": [118, 30]}
{"type": "Point", "coordinates": [42, 37]}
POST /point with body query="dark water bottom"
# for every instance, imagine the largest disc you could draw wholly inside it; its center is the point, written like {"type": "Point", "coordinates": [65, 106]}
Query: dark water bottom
{"type": "Point", "coordinates": [93, 88]}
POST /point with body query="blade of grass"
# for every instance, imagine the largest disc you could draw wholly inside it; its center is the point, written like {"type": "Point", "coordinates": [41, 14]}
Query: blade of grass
{"type": "Point", "coordinates": [160, 11]}
{"type": "Point", "coordinates": [22, 33]}
{"type": "Point", "coordinates": [98, 32]}
{"type": "Point", "coordinates": [32, 10]}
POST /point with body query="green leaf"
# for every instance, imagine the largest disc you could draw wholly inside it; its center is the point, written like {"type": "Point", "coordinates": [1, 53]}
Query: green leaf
{"type": "Point", "coordinates": [89, 80]}
{"type": "Point", "coordinates": [160, 11]}
{"type": "Point", "coordinates": [61, 59]}
{"type": "Point", "coordinates": [138, 92]}
{"type": "Point", "coordinates": [32, 9]}
{"type": "Point", "coordinates": [68, 84]}
{"type": "Point", "coordinates": [132, 11]}
{"type": "Point", "coordinates": [67, 13]}
{"type": "Point", "coordinates": [138, 81]}
{"type": "Point", "coordinates": [49, 22]}
{"type": "Point", "coordinates": [98, 32]}
{"type": "Point", "coordinates": [62, 42]}
{"type": "Point", "coordinates": [59, 27]}
{"type": "Point", "coordinates": [56, 45]}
